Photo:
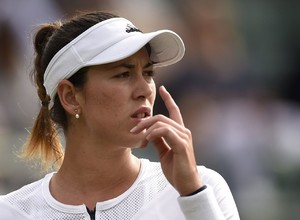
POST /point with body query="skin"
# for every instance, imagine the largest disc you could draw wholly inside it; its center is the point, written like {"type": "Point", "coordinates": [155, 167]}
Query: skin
{"type": "Point", "coordinates": [98, 163]}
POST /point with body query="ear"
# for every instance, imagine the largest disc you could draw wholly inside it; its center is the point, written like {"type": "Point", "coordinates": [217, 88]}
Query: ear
{"type": "Point", "coordinates": [67, 96]}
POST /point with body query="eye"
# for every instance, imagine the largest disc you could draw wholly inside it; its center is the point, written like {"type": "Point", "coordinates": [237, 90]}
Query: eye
{"type": "Point", "coordinates": [149, 73]}
{"type": "Point", "coordinates": [122, 75]}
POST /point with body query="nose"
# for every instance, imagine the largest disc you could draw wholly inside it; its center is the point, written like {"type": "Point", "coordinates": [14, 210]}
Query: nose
{"type": "Point", "coordinates": [144, 87]}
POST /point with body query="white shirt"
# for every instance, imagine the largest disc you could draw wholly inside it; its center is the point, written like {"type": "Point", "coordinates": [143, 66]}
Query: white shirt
{"type": "Point", "coordinates": [150, 197]}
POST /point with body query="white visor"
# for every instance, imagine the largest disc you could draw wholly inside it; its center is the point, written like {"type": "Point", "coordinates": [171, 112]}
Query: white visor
{"type": "Point", "coordinates": [110, 41]}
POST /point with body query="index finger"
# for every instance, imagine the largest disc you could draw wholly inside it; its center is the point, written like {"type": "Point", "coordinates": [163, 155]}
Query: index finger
{"type": "Point", "coordinates": [173, 109]}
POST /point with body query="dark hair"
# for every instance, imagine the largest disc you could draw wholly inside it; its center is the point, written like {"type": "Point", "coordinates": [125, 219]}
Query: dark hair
{"type": "Point", "coordinates": [43, 143]}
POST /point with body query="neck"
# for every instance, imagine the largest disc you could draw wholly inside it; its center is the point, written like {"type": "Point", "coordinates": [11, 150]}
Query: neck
{"type": "Point", "coordinates": [89, 176]}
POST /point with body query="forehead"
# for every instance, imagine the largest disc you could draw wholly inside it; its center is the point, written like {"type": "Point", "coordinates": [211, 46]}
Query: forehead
{"type": "Point", "coordinates": [140, 58]}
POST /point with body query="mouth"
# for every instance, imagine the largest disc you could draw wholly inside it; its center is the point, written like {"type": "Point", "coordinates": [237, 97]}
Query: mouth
{"type": "Point", "coordinates": [141, 113]}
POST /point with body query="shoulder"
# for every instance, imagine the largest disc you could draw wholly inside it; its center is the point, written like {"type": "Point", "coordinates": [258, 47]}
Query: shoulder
{"type": "Point", "coordinates": [8, 211]}
{"type": "Point", "coordinates": [210, 176]}
{"type": "Point", "coordinates": [21, 201]}
{"type": "Point", "coordinates": [22, 193]}
{"type": "Point", "coordinates": [214, 180]}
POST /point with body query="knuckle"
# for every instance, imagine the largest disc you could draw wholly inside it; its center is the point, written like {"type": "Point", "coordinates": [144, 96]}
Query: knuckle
{"type": "Point", "coordinates": [188, 133]}
{"type": "Point", "coordinates": [159, 116]}
{"type": "Point", "coordinates": [159, 123]}
{"type": "Point", "coordinates": [168, 130]}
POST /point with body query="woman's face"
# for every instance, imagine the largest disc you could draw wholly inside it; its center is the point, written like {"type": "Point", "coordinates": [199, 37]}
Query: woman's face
{"type": "Point", "coordinates": [116, 97]}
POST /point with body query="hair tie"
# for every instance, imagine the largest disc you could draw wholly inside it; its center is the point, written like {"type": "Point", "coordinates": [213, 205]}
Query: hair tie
{"type": "Point", "coordinates": [46, 101]}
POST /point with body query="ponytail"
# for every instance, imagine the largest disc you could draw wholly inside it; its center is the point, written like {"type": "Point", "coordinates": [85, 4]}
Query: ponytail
{"type": "Point", "coordinates": [43, 144]}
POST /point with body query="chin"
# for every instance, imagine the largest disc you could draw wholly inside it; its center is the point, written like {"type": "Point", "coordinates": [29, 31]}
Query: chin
{"type": "Point", "coordinates": [140, 143]}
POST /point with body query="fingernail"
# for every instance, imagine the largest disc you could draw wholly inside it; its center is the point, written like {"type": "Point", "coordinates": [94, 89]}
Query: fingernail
{"type": "Point", "coordinates": [164, 88]}
{"type": "Point", "coordinates": [148, 137]}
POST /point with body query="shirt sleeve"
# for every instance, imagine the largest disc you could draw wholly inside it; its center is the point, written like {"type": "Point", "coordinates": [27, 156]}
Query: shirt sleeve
{"type": "Point", "coordinates": [214, 203]}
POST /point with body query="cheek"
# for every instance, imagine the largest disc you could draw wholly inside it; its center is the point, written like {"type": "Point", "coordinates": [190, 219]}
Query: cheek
{"type": "Point", "coordinates": [106, 102]}
{"type": "Point", "coordinates": [153, 96]}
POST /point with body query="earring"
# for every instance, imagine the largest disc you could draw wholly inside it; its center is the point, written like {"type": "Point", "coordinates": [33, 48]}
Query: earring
{"type": "Point", "coordinates": [76, 115]}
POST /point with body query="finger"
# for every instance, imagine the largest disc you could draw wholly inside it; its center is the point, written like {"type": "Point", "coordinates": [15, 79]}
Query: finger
{"type": "Point", "coordinates": [160, 146]}
{"type": "Point", "coordinates": [179, 130]}
{"type": "Point", "coordinates": [148, 122]}
{"type": "Point", "coordinates": [144, 143]}
{"type": "Point", "coordinates": [173, 109]}
{"type": "Point", "coordinates": [172, 139]}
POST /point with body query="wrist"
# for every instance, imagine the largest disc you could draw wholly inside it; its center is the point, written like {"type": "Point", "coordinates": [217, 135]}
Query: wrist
{"type": "Point", "coordinates": [203, 187]}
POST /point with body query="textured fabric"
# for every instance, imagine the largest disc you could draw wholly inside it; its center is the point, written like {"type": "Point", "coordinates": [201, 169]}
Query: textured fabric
{"type": "Point", "coordinates": [150, 197]}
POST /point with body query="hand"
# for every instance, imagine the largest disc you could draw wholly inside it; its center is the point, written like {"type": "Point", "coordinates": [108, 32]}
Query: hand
{"type": "Point", "coordinates": [173, 142]}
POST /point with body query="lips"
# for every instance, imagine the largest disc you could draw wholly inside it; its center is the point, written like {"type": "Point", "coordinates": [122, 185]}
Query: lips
{"type": "Point", "coordinates": [141, 113]}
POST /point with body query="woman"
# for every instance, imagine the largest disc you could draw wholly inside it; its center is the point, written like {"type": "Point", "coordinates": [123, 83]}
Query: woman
{"type": "Point", "coordinates": [94, 76]}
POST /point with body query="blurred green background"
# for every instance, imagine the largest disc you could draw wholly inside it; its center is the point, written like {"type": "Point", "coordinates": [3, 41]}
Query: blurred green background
{"type": "Point", "coordinates": [237, 87]}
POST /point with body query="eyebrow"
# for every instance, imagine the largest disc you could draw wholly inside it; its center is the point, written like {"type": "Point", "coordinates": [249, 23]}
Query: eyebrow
{"type": "Point", "coordinates": [131, 66]}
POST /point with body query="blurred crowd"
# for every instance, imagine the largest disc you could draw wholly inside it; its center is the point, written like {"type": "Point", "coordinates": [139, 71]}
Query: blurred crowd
{"type": "Point", "coordinates": [238, 88]}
